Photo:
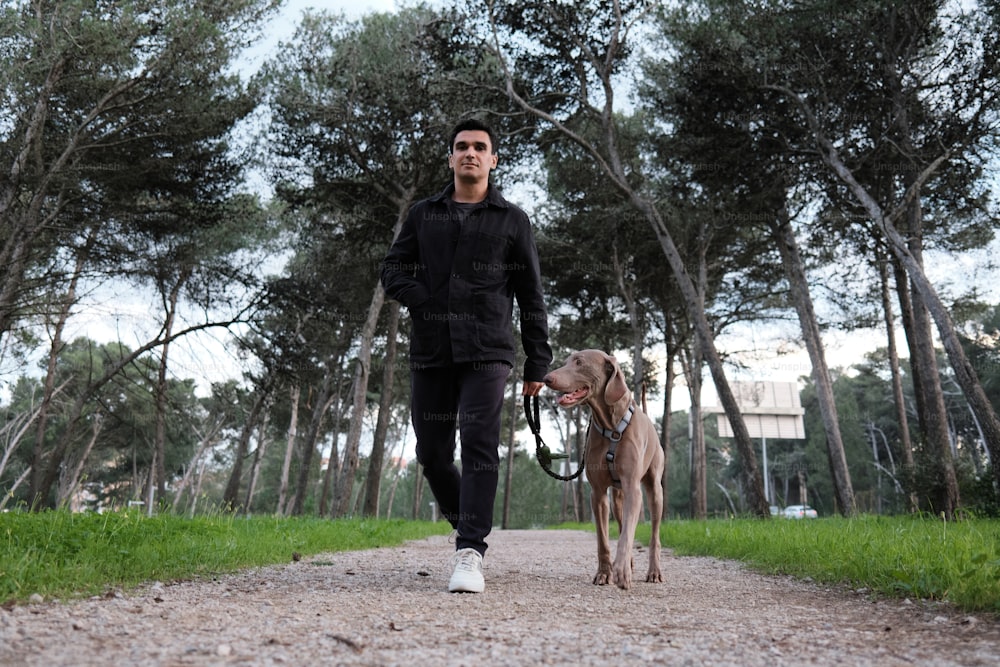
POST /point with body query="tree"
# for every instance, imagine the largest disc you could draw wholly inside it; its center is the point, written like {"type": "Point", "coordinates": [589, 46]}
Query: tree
{"type": "Point", "coordinates": [116, 144]}
{"type": "Point", "coordinates": [118, 117]}
{"type": "Point", "coordinates": [561, 63]}
{"type": "Point", "coordinates": [725, 133]}
{"type": "Point", "coordinates": [936, 104]}
{"type": "Point", "coordinates": [871, 139]}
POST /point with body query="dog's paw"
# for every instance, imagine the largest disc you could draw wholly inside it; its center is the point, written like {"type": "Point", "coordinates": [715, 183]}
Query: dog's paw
{"type": "Point", "coordinates": [603, 577]}
{"type": "Point", "coordinates": [623, 577]}
{"type": "Point", "coordinates": [654, 577]}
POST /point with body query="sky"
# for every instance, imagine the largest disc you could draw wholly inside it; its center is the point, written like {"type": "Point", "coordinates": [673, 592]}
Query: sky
{"type": "Point", "coordinates": [282, 27]}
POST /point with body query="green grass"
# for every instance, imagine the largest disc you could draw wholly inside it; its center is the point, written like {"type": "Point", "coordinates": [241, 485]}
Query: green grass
{"type": "Point", "coordinates": [895, 556]}
{"type": "Point", "coordinates": [64, 555]}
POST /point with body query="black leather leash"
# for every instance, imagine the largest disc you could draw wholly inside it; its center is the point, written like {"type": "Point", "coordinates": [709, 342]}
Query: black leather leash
{"type": "Point", "coordinates": [542, 452]}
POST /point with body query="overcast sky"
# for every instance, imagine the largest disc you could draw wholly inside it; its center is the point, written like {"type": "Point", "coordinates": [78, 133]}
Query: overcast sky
{"type": "Point", "coordinates": [282, 27]}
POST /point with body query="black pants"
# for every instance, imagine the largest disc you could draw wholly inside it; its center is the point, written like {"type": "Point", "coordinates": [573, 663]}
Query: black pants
{"type": "Point", "coordinates": [469, 398]}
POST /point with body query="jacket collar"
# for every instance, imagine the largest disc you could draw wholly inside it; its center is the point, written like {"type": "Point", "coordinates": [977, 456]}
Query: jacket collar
{"type": "Point", "coordinates": [493, 196]}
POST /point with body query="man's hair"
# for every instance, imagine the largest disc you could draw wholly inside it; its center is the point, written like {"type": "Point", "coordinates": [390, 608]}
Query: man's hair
{"type": "Point", "coordinates": [473, 124]}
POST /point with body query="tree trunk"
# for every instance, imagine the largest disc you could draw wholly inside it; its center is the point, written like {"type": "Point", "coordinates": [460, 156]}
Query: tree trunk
{"type": "Point", "coordinates": [698, 491]}
{"type": "Point", "coordinates": [13, 487]}
{"type": "Point", "coordinates": [373, 484]}
{"type": "Point", "coordinates": [51, 463]}
{"type": "Point", "coordinates": [197, 487]}
{"type": "Point", "coordinates": [65, 498]}
{"type": "Point", "coordinates": [48, 389]}
{"type": "Point", "coordinates": [905, 444]}
{"type": "Point", "coordinates": [632, 306]}
{"type": "Point", "coordinates": [947, 491]}
{"type": "Point", "coordinates": [333, 464]}
{"type": "Point", "coordinates": [932, 414]}
{"type": "Point", "coordinates": [258, 460]}
{"type": "Point", "coordinates": [362, 369]}
{"type": "Point", "coordinates": [15, 431]}
{"type": "Point", "coordinates": [359, 394]}
{"type": "Point", "coordinates": [204, 442]}
{"type": "Point", "coordinates": [392, 493]}
{"type": "Point", "coordinates": [160, 430]}
{"type": "Point", "coordinates": [293, 425]}
{"type": "Point", "coordinates": [665, 424]}
{"type": "Point", "coordinates": [418, 490]}
{"type": "Point", "coordinates": [784, 237]}
{"type": "Point", "coordinates": [699, 460]}
{"type": "Point", "coordinates": [321, 403]}
{"type": "Point", "coordinates": [230, 498]}
{"type": "Point", "coordinates": [936, 419]}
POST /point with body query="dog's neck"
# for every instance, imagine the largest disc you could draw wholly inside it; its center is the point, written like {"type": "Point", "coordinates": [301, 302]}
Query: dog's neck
{"type": "Point", "coordinates": [604, 415]}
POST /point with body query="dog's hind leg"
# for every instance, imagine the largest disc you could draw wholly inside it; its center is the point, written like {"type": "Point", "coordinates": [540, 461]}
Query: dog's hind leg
{"type": "Point", "coordinates": [654, 494]}
{"type": "Point", "coordinates": [653, 483]}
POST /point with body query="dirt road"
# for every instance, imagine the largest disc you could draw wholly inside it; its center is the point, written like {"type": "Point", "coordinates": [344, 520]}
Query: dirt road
{"type": "Point", "coordinates": [390, 607]}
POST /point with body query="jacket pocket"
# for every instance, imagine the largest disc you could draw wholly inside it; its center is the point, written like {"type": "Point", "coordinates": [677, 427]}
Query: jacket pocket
{"type": "Point", "coordinates": [428, 332]}
{"type": "Point", "coordinates": [493, 321]}
{"type": "Point", "coordinates": [491, 257]}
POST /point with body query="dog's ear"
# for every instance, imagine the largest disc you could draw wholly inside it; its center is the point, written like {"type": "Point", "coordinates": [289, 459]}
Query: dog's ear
{"type": "Point", "coordinates": [616, 389]}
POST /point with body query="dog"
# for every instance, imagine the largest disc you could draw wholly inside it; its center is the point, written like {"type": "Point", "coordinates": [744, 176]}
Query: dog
{"type": "Point", "coordinates": [619, 428]}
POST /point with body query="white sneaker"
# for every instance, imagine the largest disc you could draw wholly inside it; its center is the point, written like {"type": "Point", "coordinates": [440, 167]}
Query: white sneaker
{"type": "Point", "coordinates": [468, 574]}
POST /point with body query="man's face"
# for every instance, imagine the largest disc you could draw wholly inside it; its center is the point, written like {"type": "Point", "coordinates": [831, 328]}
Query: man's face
{"type": "Point", "coordinates": [472, 156]}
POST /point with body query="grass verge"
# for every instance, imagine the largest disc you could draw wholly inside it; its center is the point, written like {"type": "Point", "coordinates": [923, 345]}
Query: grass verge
{"type": "Point", "coordinates": [913, 557]}
{"type": "Point", "coordinates": [64, 555]}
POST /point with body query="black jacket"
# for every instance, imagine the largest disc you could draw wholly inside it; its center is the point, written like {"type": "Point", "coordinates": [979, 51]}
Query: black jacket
{"type": "Point", "coordinates": [459, 280]}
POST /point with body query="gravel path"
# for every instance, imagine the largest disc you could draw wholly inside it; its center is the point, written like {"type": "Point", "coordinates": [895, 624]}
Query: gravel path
{"type": "Point", "coordinates": [390, 607]}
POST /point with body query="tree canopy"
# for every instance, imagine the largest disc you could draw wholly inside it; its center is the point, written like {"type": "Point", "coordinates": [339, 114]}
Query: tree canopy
{"type": "Point", "coordinates": [691, 170]}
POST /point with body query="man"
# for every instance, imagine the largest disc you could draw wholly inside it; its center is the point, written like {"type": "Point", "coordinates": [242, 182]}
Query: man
{"type": "Point", "coordinates": [460, 260]}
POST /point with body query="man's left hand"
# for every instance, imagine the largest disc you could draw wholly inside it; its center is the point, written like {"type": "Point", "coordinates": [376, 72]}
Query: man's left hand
{"type": "Point", "coordinates": [532, 388]}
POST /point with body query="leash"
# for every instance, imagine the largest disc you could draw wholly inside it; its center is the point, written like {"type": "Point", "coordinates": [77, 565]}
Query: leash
{"type": "Point", "coordinates": [542, 452]}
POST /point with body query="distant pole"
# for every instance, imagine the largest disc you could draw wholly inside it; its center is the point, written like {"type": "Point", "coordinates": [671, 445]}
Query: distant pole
{"type": "Point", "coordinates": [767, 478]}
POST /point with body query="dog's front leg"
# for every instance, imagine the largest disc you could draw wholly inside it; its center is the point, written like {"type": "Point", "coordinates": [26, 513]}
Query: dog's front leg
{"type": "Point", "coordinates": [600, 508]}
{"type": "Point", "coordinates": [631, 509]}
{"type": "Point", "coordinates": [617, 505]}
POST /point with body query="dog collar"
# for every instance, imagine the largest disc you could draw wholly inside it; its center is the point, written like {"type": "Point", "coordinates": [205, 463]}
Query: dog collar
{"type": "Point", "coordinates": [615, 435]}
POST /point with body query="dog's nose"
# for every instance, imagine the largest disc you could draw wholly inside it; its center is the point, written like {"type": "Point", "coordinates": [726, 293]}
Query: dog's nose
{"type": "Point", "coordinates": [547, 380]}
